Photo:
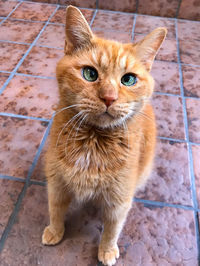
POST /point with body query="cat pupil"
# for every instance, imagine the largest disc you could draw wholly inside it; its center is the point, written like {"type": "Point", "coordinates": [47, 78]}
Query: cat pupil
{"type": "Point", "coordinates": [126, 78]}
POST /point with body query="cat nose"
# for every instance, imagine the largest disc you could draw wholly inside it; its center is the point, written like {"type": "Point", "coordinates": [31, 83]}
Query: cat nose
{"type": "Point", "coordinates": [108, 100]}
{"type": "Point", "coordinates": [108, 96]}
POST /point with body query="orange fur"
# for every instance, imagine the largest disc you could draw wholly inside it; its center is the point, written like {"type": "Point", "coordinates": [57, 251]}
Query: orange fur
{"type": "Point", "coordinates": [94, 154]}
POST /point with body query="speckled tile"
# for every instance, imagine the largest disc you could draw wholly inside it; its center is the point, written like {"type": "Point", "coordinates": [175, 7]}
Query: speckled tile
{"type": "Point", "coordinates": [188, 30]}
{"type": "Point", "coordinates": [166, 75]}
{"type": "Point", "coordinates": [20, 31]}
{"type": "Point", "coordinates": [59, 16]}
{"type": "Point", "coordinates": [10, 54]}
{"type": "Point", "coordinates": [169, 183]}
{"type": "Point", "coordinates": [113, 21]}
{"type": "Point", "coordinates": [79, 3]}
{"type": "Point", "coordinates": [196, 156]}
{"type": "Point", "coordinates": [3, 78]}
{"type": "Point", "coordinates": [118, 5]}
{"type": "Point", "coordinates": [19, 141]}
{"type": "Point", "coordinates": [53, 36]}
{"type": "Point", "coordinates": [9, 191]}
{"type": "Point", "coordinates": [191, 81]}
{"type": "Point", "coordinates": [193, 111]}
{"type": "Point", "coordinates": [30, 96]}
{"type": "Point", "coordinates": [189, 10]}
{"type": "Point", "coordinates": [146, 24]}
{"type": "Point", "coordinates": [169, 116]}
{"type": "Point", "coordinates": [168, 49]}
{"type": "Point", "coordinates": [160, 236]}
{"type": "Point", "coordinates": [163, 8]}
{"type": "Point", "coordinates": [41, 61]}
{"type": "Point", "coordinates": [33, 11]}
{"type": "Point", "coordinates": [123, 37]}
{"type": "Point", "coordinates": [190, 51]}
{"type": "Point", "coordinates": [6, 7]}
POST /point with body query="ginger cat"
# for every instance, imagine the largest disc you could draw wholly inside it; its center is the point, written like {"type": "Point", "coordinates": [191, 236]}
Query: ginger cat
{"type": "Point", "coordinates": [103, 136]}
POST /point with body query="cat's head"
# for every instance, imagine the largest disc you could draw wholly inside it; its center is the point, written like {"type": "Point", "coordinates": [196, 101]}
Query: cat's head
{"type": "Point", "coordinates": [107, 82]}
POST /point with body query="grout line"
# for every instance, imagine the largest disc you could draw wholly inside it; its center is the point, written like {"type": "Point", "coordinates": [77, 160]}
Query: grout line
{"type": "Point", "coordinates": [133, 29]}
{"type": "Point", "coordinates": [7, 41]}
{"type": "Point", "coordinates": [33, 76]}
{"type": "Point", "coordinates": [50, 47]}
{"type": "Point", "coordinates": [137, 6]}
{"type": "Point", "coordinates": [93, 17]}
{"type": "Point", "coordinates": [27, 52]}
{"type": "Point", "coordinates": [24, 117]}
{"type": "Point", "coordinates": [97, 4]}
{"type": "Point", "coordinates": [13, 178]}
{"type": "Point", "coordinates": [10, 13]}
{"type": "Point", "coordinates": [172, 139]}
{"type": "Point", "coordinates": [40, 183]}
{"type": "Point", "coordinates": [178, 8]}
{"type": "Point", "coordinates": [166, 94]}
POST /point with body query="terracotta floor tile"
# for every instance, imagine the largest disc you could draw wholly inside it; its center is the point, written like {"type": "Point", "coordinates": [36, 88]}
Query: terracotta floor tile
{"type": "Point", "coordinates": [20, 31]}
{"type": "Point", "coordinates": [6, 7]}
{"type": "Point", "coordinates": [33, 11]}
{"type": "Point", "coordinates": [169, 116]}
{"type": "Point", "coordinates": [41, 61]}
{"type": "Point", "coordinates": [196, 156]}
{"type": "Point", "coordinates": [19, 141]}
{"type": "Point", "coordinates": [146, 24]}
{"type": "Point", "coordinates": [169, 183]}
{"type": "Point", "coordinates": [123, 37]}
{"type": "Point", "coordinates": [118, 5]}
{"type": "Point", "coordinates": [193, 111]}
{"type": "Point", "coordinates": [10, 54]}
{"type": "Point", "coordinates": [53, 36]}
{"type": "Point", "coordinates": [191, 81]}
{"type": "Point", "coordinates": [189, 10]}
{"type": "Point", "coordinates": [113, 21]}
{"type": "Point", "coordinates": [190, 51]}
{"type": "Point", "coordinates": [79, 3]}
{"type": "Point", "coordinates": [166, 75]}
{"type": "Point", "coordinates": [160, 236]}
{"type": "Point", "coordinates": [189, 29]}
{"type": "Point", "coordinates": [3, 78]}
{"type": "Point", "coordinates": [30, 96]}
{"type": "Point", "coordinates": [9, 191]}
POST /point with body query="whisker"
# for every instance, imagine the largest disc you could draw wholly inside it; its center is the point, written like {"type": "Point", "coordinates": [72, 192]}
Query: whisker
{"type": "Point", "coordinates": [65, 108]}
{"type": "Point", "coordinates": [145, 116]}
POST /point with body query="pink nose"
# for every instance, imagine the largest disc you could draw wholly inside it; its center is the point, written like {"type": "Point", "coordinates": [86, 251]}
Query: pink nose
{"type": "Point", "coordinates": [108, 100]}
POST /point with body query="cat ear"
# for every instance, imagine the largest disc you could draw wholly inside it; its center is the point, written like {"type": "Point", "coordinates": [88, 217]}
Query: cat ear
{"type": "Point", "coordinates": [78, 32]}
{"type": "Point", "coordinates": [147, 49]}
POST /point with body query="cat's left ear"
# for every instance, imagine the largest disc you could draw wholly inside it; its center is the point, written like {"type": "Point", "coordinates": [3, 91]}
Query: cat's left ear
{"type": "Point", "coordinates": [78, 32]}
{"type": "Point", "coordinates": [147, 49]}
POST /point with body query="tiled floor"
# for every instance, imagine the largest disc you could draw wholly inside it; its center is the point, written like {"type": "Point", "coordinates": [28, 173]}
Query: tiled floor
{"type": "Point", "coordinates": [163, 227]}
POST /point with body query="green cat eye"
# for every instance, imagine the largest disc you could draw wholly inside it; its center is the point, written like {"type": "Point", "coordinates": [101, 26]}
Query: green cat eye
{"type": "Point", "coordinates": [129, 79]}
{"type": "Point", "coordinates": [90, 74]}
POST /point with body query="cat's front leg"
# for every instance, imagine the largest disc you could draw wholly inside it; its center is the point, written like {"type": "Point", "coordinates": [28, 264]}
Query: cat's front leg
{"type": "Point", "coordinates": [114, 218]}
{"type": "Point", "coordinates": [58, 203]}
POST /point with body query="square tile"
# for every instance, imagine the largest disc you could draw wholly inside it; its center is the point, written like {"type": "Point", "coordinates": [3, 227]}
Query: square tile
{"type": "Point", "coordinates": [6, 7]}
{"type": "Point", "coordinates": [169, 116]}
{"type": "Point", "coordinates": [169, 183]}
{"type": "Point", "coordinates": [188, 30]}
{"type": "Point", "coordinates": [79, 3]}
{"type": "Point", "coordinates": [53, 36]}
{"type": "Point", "coordinates": [163, 8]}
{"type": "Point", "coordinates": [146, 24]}
{"type": "Point", "coordinates": [124, 37]}
{"type": "Point", "coordinates": [3, 78]}
{"type": "Point", "coordinates": [30, 96]}
{"type": "Point", "coordinates": [193, 111]}
{"type": "Point", "coordinates": [189, 10]}
{"type": "Point", "coordinates": [191, 81]}
{"type": "Point", "coordinates": [196, 156]}
{"type": "Point", "coordinates": [41, 61]}
{"type": "Point", "coordinates": [190, 51]}
{"type": "Point", "coordinates": [19, 141]}
{"type": "Point", "coordinates": [20, 31]}
{"type": "Point", "coordinates": [166, 75]}
{"type": "Point", "coordinates": [10, 54]}
{"type": "Point", "coordinates": [9, 191]}
{"type": "Point", "coordinates": [118, 5]}
{"type": "Point", "coordinates": [33, 11]}
{"type": "Point", "coordinates": [113, 21]}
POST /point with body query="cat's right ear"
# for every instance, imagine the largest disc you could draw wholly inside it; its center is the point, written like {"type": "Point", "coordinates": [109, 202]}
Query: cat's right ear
{"type": "Point", "coordinates": [78, 32]}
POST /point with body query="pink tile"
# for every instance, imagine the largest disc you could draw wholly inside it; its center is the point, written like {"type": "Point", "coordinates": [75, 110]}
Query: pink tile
{"type": "Point", "coordinates": [196, 156]}
{"type": "Point", "coordinates": [163, 8]}
{"type": "Point", "coordinates": [10, 54]}
{"type": "Point", "coordinates": [3, 78]}
{"type": "Point", "coordinates": [118, 5]}
{"type": "Point", "coordinates": [33, 11]}
{"type": "Point", "coordinates": [146, 24]}
{"type": "Point", "coordinates": [166, 75]}
{"type": "Point", "coordinates": [9, 191]}
{"type": "Point", "coordinates": [190, 51]}
{"type": "Point", "coordinates": [189, 29]}
{"type": "Point", "coordinates": [6, 7]}
{"type": "Point", "coordinates": [193, 110]}
{"type": "Point", "coordinates": [53, 36]}
{"type": "Point", "coordinates": [124, 37]}
{"type": "Point", "coordinates": [20, 31]}
{"type": "Point", "coordinates": [41, 61]}
{"type": "Point", "coordinates": [79, 3]}
{"type": "Point", "coordinates": [169, 183]}
{"type": "Point", "coordinates": [19, 141]}
{"type": "Point", "coordinates": [191, 81]}
{"type": "Point", "coordinates": [169, 116]}
{"type": "Point", "coordinates": [113, 21]}
{"type": "Point", "coordinates": [189, 10]}
{"type": "Point", "coordinates": [30, 96]}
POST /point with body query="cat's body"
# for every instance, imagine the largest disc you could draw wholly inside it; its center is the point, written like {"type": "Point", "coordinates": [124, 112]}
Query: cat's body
{"type": "Point", "coordinates": [103, 136]}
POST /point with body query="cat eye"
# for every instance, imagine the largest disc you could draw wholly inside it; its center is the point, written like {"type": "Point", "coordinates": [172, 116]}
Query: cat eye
{"type": "Point", "coordinates": [129, 79]}
{"type": "Point", "coordinates": [90, 74]}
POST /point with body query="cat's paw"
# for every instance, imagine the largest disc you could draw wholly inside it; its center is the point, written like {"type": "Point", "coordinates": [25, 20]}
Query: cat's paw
{"type": "Point", "coordinates": [108, 256]}
{"type": "Point", "coordinates": [50, 237]}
